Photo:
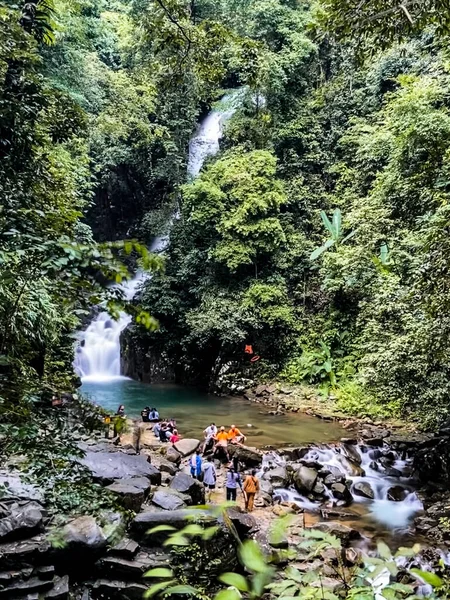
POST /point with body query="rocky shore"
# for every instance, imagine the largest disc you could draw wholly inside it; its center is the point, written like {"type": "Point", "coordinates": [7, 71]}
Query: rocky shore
{"type": "Point", "coordinates": [105, 556]}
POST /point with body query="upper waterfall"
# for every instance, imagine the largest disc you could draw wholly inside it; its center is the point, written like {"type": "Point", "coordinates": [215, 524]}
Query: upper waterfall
{"type": "Point", "coordinates": [97, 356]}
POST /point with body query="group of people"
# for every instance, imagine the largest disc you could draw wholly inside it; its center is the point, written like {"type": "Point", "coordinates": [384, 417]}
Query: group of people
{"type": "Point", "coordinates": [207, 472]}
{"type": "Point", "coordinates": [218, 440]}
{"type": "Point", "coordinates": [166, 431]}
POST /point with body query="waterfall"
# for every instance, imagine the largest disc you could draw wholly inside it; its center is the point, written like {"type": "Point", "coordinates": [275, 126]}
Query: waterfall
{"type": "Point", "coordinates": [97, 356]}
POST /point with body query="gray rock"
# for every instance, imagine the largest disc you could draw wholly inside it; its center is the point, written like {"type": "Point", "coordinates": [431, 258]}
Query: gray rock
{"type": "Point", "coordinates": [341, 492]}
{"type": "Point", "coordinates": [15, 487]}
{"type": "Point", "coordinates": [352, 453]}
{"type": "Point", "coordinates": [108, 466]}
{"type": "Point", "coordinates": [60, 589]}
{"type": "Point", "coordinates": [305, 479]}
{"type": "Point", "coordinates": [24, 520]}
{"type": "Point", "coordinates": [126, 548]}
{"type": "Point", "coordinates": [250, 457]}
{"type": "Point", "coordinates": [184, 483]}
{"type": "Point", "coordinates": [128, 496]}
{"type": "Point", "coordinates": [172, 455]}
{"type": "Point", "coordinates": [362, 488]}
{"type": "Point", "coordinates": [376, 441]}
{"type": "Point", "coordinates": [84, 532]}
{"type": "Point", "coordinates": [318, 488]}
{"type": "Point", "coordinates": [187, 446]}
{"type": "Point", "coordinates": [350, 467]}
{"type": "Point", "coordinates": [166, 466]}
{"type": "Point", "coordinates": [24, 588]}
{"type": "Point", "coordinates": [145, 521]}
{"type": "Point", "coordinates": [278, 477]}
{"type": "Point", "coordinates": [397, 493]}
{"type": "Point", "coordinates": [167, 500]}
{"type": "Point", "coordinates": [243, 522]}
{"type": "Point", "coordinates": [118, 590]}
{"type": "Point", "coordinates": [142, 483]}
{"type": "Point", "coordinates": [33, 549]}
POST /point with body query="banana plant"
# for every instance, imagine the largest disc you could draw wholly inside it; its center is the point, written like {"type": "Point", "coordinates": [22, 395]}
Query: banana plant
{"type": "Point", "coordinates": [334, 228]}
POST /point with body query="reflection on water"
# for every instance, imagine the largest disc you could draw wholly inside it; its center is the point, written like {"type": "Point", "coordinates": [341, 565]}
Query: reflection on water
{"type": "Point", "coordinates": [194, 410]}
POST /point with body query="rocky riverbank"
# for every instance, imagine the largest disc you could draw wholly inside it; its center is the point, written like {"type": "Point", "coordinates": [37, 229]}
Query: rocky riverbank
{"type": "Point", "coordinates": [331, 487]}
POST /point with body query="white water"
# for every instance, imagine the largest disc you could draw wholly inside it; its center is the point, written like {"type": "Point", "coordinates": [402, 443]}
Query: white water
{"type": "Point", "coordinates": [97, 356]}
{"type": "Point", "coordinates": [393, 515]}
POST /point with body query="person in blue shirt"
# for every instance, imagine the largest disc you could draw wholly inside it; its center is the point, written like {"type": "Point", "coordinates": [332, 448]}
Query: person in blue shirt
{"type": "Point", "coordinates": [233, 481]}
{"type": "Point", "coordinates": [196, 464]}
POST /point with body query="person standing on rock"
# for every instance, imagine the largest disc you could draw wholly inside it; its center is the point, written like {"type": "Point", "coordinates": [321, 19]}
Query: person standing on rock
{"type": "Point", "coordinates": [195, 463]}
{"type": "Point", "coordinates": [209, 477]}
{"type": "Point", "coordinates": [251, 486]}
{"type": "Point", "coordinates": [233, 481]}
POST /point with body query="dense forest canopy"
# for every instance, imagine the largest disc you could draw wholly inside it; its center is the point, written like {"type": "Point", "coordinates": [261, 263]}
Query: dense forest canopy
{"type": "Point", "coordinates": [319, 234]}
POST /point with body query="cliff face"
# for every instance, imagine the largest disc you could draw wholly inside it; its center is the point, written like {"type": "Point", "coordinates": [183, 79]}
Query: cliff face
{"type": "Point", "coordinates": [144, 363]}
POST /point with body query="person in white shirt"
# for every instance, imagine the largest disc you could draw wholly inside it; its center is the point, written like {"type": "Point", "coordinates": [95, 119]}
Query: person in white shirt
{"type": "Point", "coordinates": [210, 434]}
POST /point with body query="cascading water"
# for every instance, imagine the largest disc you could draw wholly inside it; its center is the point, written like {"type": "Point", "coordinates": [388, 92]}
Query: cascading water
{"type": "Point", "coordinates": [97, 356]}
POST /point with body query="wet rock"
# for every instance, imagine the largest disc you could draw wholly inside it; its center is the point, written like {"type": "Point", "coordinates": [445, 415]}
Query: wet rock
{"type": "Point", "coordinates": [319, 488]}
{"type": "Point", "coordinates": [243, 522]}
{"type": "Point", "coordinates": [60, 590]}
{"type": "Point", "coordinates": [341, 492]}
{"type": "Point", "coordinates": [344, 533]}
{"type": "Point", "coordinates": [350, 466]}
{"type": "Point", "coordinates": [184, 483]}
{"type": "Point", "coordinates": [375, 454]}
{"type": "Point", "coordinates": [249, 457]}
{"type": "Point", "coordinates": [126, 548]}
{"type": "Point", "coordinates": [278, 477]}
{"type": "Point", "coordinates": [264, 497]}
{"type": "Point", "coordinates": [84, 532]}
{"type": "Point", "coordinates": [168, 500]}
{"type": "Point", "coordinates": [397, 493]}
{"type": "Point", "coordinates": [352, 441]}
{"type": "Point", "coordinates": [172, 455]}
{"type": "Point", "coordinates": [352, 453]}
{"type": "Point", "coordinates": [109, 466]}
{"type": "Point", "coordinates": [13, 554]}
{"type": "Point", "coordinates": [128, 496]}
{"type": "Point", "coordinates": [187, 446]}
{"type": "Point", "coordinates": [362, 488]}
{"type": "Point", "coordinates": [305, 479]}
{"type": "Point", "coordinates": [23, 520]}
{"type": "Point", "coordinates": [282, 511]}
{"type": "Point", "coordinates": [118, 590]}
{"type": "Point", "coordinates": [294, 454]}
{"type": "Point", "coordinates": [375, 441]}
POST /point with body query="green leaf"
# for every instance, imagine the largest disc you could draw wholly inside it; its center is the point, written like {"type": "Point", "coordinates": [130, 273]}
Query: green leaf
{"type": "Point", "coordinates": [318, 251]}
{"type": "Point", "coordinates": [159, 572]}
{"type": "Point", "coordinates": [251, 557]}
{"type": "Point", "coordinates": [158, 587]}
{"type": "Point", "coordinates": [186, 590]}
{"type": "Point", "coordinates": [328, 225]}
{"type": "Point", "coordinates": [177, 540]}
{"type": "Point", "coordinates": [235, 580]}
{"type": "Point", "coordinates": [210, 532]}
{"type": "Point", "coordinates": [161, 528]}
{"type": "Point", "coordinates": [230, 594]}
{"type": "Point", "coordinates": [384, 551]}
{"type": "Point", "coordinates": [430, 578]}
{"type": "Point", "coordinates": [337, 222]}
{"type": "Point", "coordinates": [192, 529]}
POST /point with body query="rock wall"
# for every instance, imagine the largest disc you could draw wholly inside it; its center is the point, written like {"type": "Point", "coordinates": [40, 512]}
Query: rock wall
{"type": "Point", "coordinates": [140, 361]}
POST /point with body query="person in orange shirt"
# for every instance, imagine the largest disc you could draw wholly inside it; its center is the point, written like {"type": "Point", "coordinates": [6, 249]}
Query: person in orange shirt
{"type": "Point", "coordinates": [221, 446]}
{"type": "Point", "coordinates": [235, 436]}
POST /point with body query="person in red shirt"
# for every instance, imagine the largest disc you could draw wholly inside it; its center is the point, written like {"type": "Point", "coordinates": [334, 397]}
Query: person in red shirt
{"type": "Point", "coordinates": [174, 438]}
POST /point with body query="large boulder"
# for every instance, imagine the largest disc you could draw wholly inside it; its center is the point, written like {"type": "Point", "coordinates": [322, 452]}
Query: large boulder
{"type": "Point", "coordinates": [187, 446]}
{"type": "Point", "coordinates": [344, 533]}
{"type": "Point", "coordinates": [12, 485]}
{"type": "Point", "coordinates": [243, 522]}
{"type": "Point", "coordinates": [128, 495]}
{"type": "Point", "coordinates": [278, 477]}
{"type": "Point", "coordinates": [25, 519]}
{"type": "Point", "coordinates": [364, 489]}
{"type": "Point", "coordinates": [24, 552]}
{"type": "Point", "coordinates": [250, 457]}
{"type": "Point", "coordinates": [294, 454]}
{"type": "Point", "coordinates": [305, 479]}
{"type": "Point", "coordinates": [352, 453]}
{"type": "Point", "coordinates": [341, 492]}
{"type": "Point", "coordinates": [167, 466]}
{"type": "Point", "coordinates": [145, 521]}
{"type": "Point", "coordinates": [184, 483]}
{"type": "Point", "coordinates": [168, 499]}
{"type": "Point", "coordinates": [84, 533]}
{"type": "Point", "coordinates": [397, 493]}
{"type": "Point", "coordinates": [108, 466]}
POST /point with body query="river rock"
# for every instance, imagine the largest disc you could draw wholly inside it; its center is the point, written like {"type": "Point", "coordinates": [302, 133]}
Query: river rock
{"type": "Point", "coordinates": [167, 466]}
{"type": "Point", "coordinates": [350, 466]}
{"type": "Point", "coordinates": [126, 548]}
{"type": "Point", "coordinates": [172, 455]}
{"type": "Point", "coordinates": [305, 479]}
{"type": "Point", "coordinates": [168, 499]}
{"type": "Point", "coordinates": [278, 477]}
{"type": "Point", "coordinates": [397, 493]}
{"type": "Point", "coordinates": [145, 521]}
{"type": "Point", "coordinates": [128, 495]}
{"type": "Point", "coordinates": [352, 453]}
{"type": "Point", "coordinates": [362, 488]}
{"type": "Point", "coordinates": [294, 454]}
{"type": "Point", "coordinates": [60, 590]}
{"type": "Point", "coordinates": [187, 446]}
{"type": "Point", "coordinates": [85, 533]}
{"type": "Point", "coordinates": [23, 520]}
{"type": "Point", "coordinates": [108, 466]}
{"type": "Point", "coordinates": [341, 492]}
{"type": "Point", "coordinates": [184, 483]}
{"type": "Point", "coordinates": [249, 457]}
{"type": "Point", "coordinates": [243, 522]}
{"type": "Point", "coordinates": [319, 488]}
